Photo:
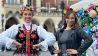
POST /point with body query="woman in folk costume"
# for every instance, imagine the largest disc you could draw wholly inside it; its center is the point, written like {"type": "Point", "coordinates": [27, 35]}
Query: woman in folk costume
{"type": "Point", "coordinates": [27, 36]}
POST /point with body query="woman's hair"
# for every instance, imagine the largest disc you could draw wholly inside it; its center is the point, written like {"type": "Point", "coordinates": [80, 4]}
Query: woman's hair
{"type": "Point", "coordinates": [12, 20]}
{"type": "Point", "coordinates": [76, 24]}
{"type": "Point", "coordinates": [49, 25]}
{"type": "Point", "coordinates": [35, 21]}
{"type": "Point", "coordinates": [24, 8]}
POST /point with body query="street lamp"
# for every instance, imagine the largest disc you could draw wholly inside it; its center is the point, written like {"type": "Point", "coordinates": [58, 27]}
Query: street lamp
{"type": "Point", "coordinates": [62, 7]}
{"type": "Point", "coordinates": [61, 23]}
{"type": "Point", "coordinates": [2, 20]}
{"type": "Point", "coordinates": [30, 2]}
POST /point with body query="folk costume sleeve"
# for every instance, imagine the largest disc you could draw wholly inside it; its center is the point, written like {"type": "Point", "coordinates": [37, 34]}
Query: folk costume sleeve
{"type": "Point", "coordinates": [49, 38]}
{"type": "Point", "coordinates": [6, 36]}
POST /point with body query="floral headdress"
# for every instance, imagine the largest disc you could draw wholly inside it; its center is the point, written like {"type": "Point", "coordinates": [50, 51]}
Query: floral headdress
{"type": "Point", "coordinates": [68, 9]}
{"type": "Point", "coordinates": [27, 7]}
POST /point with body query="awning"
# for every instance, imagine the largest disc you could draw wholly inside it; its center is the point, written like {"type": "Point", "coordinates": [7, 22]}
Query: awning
{"type": "Point", "coordinates": [82, 4]}
{"type": "Point", "coordinates": [43, 8]}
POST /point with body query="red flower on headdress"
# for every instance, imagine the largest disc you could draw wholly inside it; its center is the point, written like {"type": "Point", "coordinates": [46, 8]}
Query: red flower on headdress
{"type": "Point", "coordinates": [23, 8]}
{"type": "Point", "coordinates": [21, 35]}
{"type": "Point", "coordinates": [33, 36]}
{"type": "Point", "coordinates": [67, 9]}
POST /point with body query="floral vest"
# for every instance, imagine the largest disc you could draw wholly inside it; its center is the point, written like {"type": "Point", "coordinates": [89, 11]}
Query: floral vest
{"type": "Point", "coordinates": [21, 38]}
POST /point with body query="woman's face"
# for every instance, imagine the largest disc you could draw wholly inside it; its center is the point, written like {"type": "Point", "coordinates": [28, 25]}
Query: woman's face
{"type": "Point", "coordinates": [70, 20]}
{"type": "Point", "coordinates": [27, 16]}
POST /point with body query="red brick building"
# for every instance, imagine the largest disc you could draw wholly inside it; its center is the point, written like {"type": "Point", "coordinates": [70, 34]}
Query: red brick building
{"type": "Point", "coordinates": [48, 3]}
{"type": "Point", "coordinates": [54, 3]}
{"type": "Point", "coordinates": [34, 4]}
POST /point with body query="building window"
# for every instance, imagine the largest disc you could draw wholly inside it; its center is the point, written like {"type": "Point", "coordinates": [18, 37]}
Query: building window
{"type": "Point", "coordinates": [18, 1]}
{"type": "Point", "coordinates": [7, 1]}
{"type": "Point", "coordinates": [79, 0]}
{"type": "Point", "coordinates": [13, 1]}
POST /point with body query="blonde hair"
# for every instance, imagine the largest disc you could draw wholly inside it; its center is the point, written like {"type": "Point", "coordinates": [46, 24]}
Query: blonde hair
{"type": "Point", "coordinates": [49, 25]}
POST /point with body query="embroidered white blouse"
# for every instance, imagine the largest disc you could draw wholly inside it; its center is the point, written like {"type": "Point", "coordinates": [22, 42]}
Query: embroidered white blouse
{"type": "Point", "coordinates": [7, 36]}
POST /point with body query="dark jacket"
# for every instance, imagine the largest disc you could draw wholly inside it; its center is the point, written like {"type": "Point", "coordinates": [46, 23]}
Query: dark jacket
{"type": "Point", "coordinates": [77, 35]}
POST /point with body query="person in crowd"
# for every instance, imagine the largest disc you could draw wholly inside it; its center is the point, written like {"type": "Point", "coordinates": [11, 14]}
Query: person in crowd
{"type": "Point", "coordinates": [27, 35]}
{"type": "Point", "coordinates": [70, 37]}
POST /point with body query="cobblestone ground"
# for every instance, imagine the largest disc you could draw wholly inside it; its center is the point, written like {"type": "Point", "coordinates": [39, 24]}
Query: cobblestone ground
{"type": "Point", "coordinates": [10, 53]}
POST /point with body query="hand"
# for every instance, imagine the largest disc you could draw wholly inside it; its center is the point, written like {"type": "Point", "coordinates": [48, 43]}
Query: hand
{"type": "Point", "coordinates": [36, 46]}
{"type": "Point", "coordinates": [56, 51]}
{"type": "Point", "coordinates": [17, 44]}
{"type": "Point", "coordinates": [71, 51]}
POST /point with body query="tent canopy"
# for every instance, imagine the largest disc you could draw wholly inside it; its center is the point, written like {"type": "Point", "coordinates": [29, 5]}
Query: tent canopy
{"type": "Point", "coordinates": [82, 4]}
